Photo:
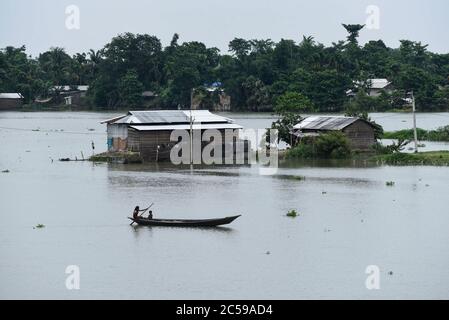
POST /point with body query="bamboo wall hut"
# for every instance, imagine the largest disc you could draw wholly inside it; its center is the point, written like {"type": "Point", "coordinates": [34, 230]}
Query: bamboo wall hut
{"type": "Point", "coordinates": [359, 132]}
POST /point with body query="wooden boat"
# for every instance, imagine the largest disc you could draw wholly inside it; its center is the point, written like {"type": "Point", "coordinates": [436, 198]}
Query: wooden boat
{"type": "Point", "coordinates": [184, 222]}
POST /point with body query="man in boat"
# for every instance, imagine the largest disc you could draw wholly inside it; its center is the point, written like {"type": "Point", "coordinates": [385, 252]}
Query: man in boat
{"type": "Point", "coordinates": [150, 215]}
{"type": "Point", "coordinates": [137, 211]}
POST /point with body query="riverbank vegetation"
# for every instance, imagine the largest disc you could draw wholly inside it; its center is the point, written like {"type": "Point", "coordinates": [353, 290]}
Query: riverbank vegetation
{"type": "Point", "coordinates": [435, 158]}
{"type": "Point", "coordinates": [440, 134]}
{"type": "Point", "coordinates": [254, 72]}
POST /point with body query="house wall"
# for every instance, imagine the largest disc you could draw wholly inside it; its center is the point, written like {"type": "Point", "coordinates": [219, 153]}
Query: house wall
{"type": "Point", "coordinates": [378, 92]}
{"type": "Point", "coordinates": [76, 97]}
{"type": "Point", "coordinates": [117, 137]}
{"type": "Point", "coordinates": [360, 135]}
{"type": "Point", "coordinates": [8, 104]}
{"type": "Point", "coordinates": [147, 142]}
{"type": "Point", "coordinates": [224, 103]}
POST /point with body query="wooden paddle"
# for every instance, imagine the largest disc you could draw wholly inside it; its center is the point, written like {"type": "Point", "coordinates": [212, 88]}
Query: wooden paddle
{"type": "Point", "coordinates": [145, 210]}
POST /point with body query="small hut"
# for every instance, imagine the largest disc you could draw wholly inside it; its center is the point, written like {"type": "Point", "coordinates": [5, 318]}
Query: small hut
{"type": "Point", "coordinates": [359, 132]}
{"type": "Point", "coordinates": [9, 101]}
{"type": "Point", "coordinates": [148, 132]}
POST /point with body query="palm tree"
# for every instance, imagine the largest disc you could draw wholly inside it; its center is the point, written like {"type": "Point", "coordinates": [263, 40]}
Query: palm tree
{"type": "Point", "coordinates": [353, 30]}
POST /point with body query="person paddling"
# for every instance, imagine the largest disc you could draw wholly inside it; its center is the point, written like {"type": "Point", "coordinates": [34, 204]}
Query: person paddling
{"type": "Point", "coordinates": [137, 211]}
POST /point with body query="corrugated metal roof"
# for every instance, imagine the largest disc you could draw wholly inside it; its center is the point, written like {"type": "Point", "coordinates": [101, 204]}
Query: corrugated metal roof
{"type": "Point", "coordinates": [374, 83]}
{"type": "Point", "coordinates": [325, 123]}
{"type": "Point", "coordinates": [169, 117]}
{"type": "Point", "coordinates": [113, 120]}
{"type": "Point", "coordinates": [187, 127]}
{"type": "Point", "coordinates": [379, 83]}
{"type": "Point", "coordinates": [71, 88]}
{"type": "Point", "coordinates": [148, 94]}
{"type": "Point", "coordinates": [11, 96]}
{"type": "Point", "coordinates": [206, 116]}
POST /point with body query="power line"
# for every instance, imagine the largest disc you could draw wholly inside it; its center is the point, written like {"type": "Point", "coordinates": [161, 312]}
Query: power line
{"type": "Point", "coordinates": [52, 131]}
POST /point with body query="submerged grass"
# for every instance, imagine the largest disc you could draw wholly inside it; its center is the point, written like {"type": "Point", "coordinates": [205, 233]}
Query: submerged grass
{"type": "Point", "coordinates": [119, 157]}
{"type": "Point", "coordinates": [432, 158]}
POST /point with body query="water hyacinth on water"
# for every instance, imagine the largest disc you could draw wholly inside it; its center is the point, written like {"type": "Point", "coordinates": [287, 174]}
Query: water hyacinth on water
{"type": "Point", "coordinates": [292, 213]}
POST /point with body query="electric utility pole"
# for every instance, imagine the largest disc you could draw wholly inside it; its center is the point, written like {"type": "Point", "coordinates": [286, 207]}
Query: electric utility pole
{"type": "Point", "coordinates": [191, 129]}
{"type": "Point", "coordinates": [415, 133]}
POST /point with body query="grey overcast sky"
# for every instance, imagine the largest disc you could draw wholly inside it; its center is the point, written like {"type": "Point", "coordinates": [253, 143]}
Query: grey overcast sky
{"type": "Point", "coordinates": [41, 24]}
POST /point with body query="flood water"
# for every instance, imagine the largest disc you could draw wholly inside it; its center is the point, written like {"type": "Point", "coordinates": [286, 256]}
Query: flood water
{"type": "Point", "coordinates": [349, 219]}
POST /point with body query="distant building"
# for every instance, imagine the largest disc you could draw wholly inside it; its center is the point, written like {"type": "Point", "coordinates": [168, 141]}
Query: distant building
{"type": "Point", "coordinates": [148, 132]}
{"type": "Point", "coordinates": [359, 132]}
{"type": "Point", "coordinates": [149, 99]}
{"type": "Point", "coordinates": [149, 95]}
{"type": "Point", "coordinates": [9, 101]}
{"type": "Point", "coordinates": [373, 87]}
{"type": "Point", "coordinates": [72, 94]}
{"type": "Point", "coordinates": [212, 97]}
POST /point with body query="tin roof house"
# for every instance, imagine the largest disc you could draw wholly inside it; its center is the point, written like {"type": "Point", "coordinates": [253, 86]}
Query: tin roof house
{"type": "Point", "coordinates": [72, 94]}
{"type": "Point", "coordinates": [212, 97]}
{"type": "Point", "coordinates": [373, 87]}
{"type": "Point", "coordinates": [9, 101]}
{"type": "Point", "coordinates": [359, 132]}
{"type": "Point", "coordinates": [148, 132]}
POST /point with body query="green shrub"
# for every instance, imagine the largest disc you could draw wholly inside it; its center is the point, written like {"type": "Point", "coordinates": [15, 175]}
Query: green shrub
{"type": "Point", "coordinates": [440, 134]}
{"type": "Point", "coordinates": [292, 213]}
{"type": "Point", "coordinates": [334, 145]}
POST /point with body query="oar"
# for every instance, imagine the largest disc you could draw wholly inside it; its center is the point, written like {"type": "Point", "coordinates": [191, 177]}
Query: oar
{"type": "Point", "coordinates": [145, 210]}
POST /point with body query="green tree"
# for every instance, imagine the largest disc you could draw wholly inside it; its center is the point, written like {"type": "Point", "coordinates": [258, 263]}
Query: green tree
{"type": "Point", "coordinates": [130, 89]}
{"type": "Point", "coordinates": [293, 102]}
{"type": "Point", "coordinates": [353, 32]}
{"type": "Point", "coordinates": [359, 107]}
{"type": "Point", "coordinates": [288, 107]}
{"type": "Point", "coordinates": [57, 66]}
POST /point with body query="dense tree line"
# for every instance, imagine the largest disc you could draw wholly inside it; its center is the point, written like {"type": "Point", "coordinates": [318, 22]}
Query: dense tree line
{"type": "Point", "coordinates": [255, 73]}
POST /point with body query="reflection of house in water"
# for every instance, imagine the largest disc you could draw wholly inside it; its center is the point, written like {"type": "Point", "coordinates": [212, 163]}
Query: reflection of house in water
{"type": "Point", "coordinates": [359, 132]}
{"type": "Point", "coordinates": [148, 132]}
{"type": "Point", "coordinates": [10, 101]}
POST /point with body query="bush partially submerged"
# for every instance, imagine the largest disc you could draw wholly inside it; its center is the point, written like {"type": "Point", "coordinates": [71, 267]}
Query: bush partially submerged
{"type": "Point", "coordinates": [334, 145]}
{"type": "Point", "coordinates": [436, 158]}
{"type": "Point", "coordinates": [395, 147]}
{"type": "Point", "coordinates": [292, 213]}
